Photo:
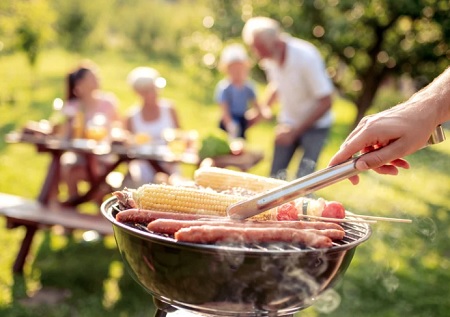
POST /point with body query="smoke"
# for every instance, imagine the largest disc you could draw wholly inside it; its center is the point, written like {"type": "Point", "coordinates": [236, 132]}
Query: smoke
{"type": "Point", "coordinates": [328, 301]}
{"type": "Point", "coordinates": [391, 283]}
{"type": "Point", "coordinates": [427, 228]}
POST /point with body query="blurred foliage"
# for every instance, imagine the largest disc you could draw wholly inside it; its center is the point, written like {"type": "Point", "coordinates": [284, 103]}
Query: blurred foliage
{"type": "Point", "coordinates": [26, 25]}
{"type": "Point", "coordinates": [79, 21]}
{"type": "Point", "coordinates": [365, 43]}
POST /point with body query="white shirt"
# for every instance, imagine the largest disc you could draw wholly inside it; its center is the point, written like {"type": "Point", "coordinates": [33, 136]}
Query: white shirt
{"type": "Point", "coordinates": [153, 128]}
{"type": "Point", "coordinates": [140, 170]}
{"type": "Point", "coordinates": [300, 82]}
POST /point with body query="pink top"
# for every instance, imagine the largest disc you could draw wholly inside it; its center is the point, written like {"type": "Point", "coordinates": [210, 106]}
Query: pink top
{"type": "Point", "coordinates": [106, 105]}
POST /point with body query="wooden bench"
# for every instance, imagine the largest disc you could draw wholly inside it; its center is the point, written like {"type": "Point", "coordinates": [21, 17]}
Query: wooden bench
{"type": "Point", "coordinates": [33, 215]}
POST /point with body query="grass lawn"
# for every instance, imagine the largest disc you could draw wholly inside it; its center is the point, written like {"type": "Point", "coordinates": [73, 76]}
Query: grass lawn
{"type": "Point", "coordinates": [404, 269]}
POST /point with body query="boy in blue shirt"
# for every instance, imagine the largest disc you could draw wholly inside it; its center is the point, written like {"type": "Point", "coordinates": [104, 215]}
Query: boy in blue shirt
{"type": "Point", "coordinates": [236, 93]}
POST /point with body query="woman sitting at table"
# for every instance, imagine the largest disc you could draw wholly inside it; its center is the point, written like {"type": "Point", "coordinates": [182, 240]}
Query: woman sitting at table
{"type": "Point", "coordinates": [146, 122]}
{"type": "Point", "coordinates": [84, 107]}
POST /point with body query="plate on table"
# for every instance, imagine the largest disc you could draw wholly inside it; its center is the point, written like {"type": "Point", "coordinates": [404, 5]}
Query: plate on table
{"type": "Point", "coordinates": [83, 144]}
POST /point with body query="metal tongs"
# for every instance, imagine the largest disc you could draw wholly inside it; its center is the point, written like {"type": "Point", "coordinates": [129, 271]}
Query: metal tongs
{"type": "Point", "coordinates": [305, 185]}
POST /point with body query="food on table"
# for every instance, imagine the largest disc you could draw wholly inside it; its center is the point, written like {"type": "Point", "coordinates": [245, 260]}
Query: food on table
{"type": "Point", "coordinates": [141, 138]}
{"type": "Point", "coordinates": [214, 145]}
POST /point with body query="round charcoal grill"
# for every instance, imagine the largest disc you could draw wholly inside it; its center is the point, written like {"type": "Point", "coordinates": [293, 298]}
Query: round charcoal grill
{"type": "Point", "coordinates": [276, 279]}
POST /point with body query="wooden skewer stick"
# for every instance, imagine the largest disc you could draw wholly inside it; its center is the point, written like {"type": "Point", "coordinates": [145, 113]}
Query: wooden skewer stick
{"type": "Point", "coordinates": [337, 219]}
{"type": "Point", "coordinates": [382, 218]}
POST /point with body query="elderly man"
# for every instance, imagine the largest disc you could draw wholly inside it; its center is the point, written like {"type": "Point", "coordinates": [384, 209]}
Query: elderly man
{"type": "Point", "coordinates": [298, 80]}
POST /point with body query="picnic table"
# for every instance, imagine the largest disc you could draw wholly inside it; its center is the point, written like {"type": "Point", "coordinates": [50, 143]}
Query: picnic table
{"type": "Point", "coordinates": [45, 211]}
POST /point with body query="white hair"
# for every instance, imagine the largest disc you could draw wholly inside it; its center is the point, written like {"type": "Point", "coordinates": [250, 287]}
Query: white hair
{"type": "Point", "coordinates": [145, 78]}
{"type": "Point", "coordinates": [267, 30]}
{"type": "Point", "coordinates": [233, 53]}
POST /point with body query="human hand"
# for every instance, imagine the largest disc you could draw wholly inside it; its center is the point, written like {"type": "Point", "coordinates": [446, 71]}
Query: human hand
{"type": "Point", "coordinates": [284, 134]}
{"type": "Point", "coordinates": [266, 112]}
{"type": "Point", "coordinates": [233, 129]}
{"type": "Point", "coordinates": [386, 137]}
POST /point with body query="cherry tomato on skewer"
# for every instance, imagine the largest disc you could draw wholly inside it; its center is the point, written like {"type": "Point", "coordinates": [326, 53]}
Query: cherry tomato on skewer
{"type": "Point", "coordinates": [333, 209]}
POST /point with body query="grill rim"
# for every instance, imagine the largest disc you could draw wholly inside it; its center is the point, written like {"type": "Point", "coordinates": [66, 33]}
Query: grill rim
{"type": "Point", "coordinates": [363, 229]}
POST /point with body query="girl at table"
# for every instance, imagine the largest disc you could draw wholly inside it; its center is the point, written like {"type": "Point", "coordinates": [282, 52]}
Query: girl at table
{"type": "Point", "coordinates": [85, 104]}
{"type": "Point", "coordinates": [147, 121]}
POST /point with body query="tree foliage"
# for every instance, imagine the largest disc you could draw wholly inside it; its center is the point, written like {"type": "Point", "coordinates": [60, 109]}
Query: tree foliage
{"type": "Point", "coordinates": [79, 22]}
{"type": "Point", "coordinates": [364, 42]}
{"type": "Point", "coordinates": [27, 26]}
{"type": "Point", "coordinates": [377, 40]}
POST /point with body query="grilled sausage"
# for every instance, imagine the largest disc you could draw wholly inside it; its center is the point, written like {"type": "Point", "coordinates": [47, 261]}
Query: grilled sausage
{"type": "Point", "coordinates": [213, 234]}
{"type": "Point", "coordinates": [170, 226]}
{"type": "Point", "coordinates": [145, 216]}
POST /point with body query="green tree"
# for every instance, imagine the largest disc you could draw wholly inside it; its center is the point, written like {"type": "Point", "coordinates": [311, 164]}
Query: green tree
{"type": "Point", "coordinates": [78, 21]}
{"type": "Point", "coordinates": [378, 40]}
{"type": "Point", "coordinates": [159, 28]}
{"type": "Point", "coordinates": [364, 42]}
{"type": "Point", "coordinates": [27, 25]}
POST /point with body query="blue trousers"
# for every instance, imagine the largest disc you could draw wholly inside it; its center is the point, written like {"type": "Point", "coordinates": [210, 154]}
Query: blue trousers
{"type": "Point", "coordinates": [311, 142]}
{"type": "Point", "coordinates": [241, 121]}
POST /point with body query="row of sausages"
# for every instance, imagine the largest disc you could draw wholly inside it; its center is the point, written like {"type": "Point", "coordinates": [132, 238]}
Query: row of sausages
{"type": "Point", "coordinates": [196, 228]}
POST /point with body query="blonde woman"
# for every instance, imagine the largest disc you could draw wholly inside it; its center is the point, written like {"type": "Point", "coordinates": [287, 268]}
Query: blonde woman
{"type": "Point", "coordinates": [150, 117]}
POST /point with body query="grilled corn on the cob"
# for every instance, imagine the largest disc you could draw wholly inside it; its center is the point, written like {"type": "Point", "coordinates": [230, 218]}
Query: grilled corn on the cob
{"type": "Point", "coordinates": [160, 197]}
{"type": "Point", "coordinates": [184, 199]}
{"type": "Point", "coordinates": [221, 179]}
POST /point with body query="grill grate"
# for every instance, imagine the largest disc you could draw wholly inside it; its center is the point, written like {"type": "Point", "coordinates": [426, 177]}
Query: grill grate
{"type": "Point", "coordinates": [355, 233]}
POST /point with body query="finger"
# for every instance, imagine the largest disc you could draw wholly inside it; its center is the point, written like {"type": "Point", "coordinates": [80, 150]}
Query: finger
{"type": "Point", "coordinates": [361, 125]}
{"type": "Point", "coordinates": [354, 144]}
{"type": "Point", "coordinates": [342, 155]}
{"type": "Point", "coordinates": [382, 156]}
{"type": "Point", "coordinates": [387, 170]}
{"type": "Point", "coordinates": [401, 163]}
{"type": "Point", "coordinates": [354, 179]}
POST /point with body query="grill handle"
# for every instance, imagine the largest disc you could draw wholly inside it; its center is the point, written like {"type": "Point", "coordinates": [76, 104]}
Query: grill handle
{"type": "Point", "coordinates": [305, 185]}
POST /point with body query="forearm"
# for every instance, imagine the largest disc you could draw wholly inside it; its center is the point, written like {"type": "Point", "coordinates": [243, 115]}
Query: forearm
{"type": "Point", "coordinates": [399, 131]}
{"type": "Point", "coordinates": [435, 98]}
{"type": "Point", "coordinates": [175, 119]}
{"type": "Point", "coordinates": [323, 105]}
{"type": "Point", "coordinates": [271, 95]}
{"type": "Point", "coordinates": [226, 115]}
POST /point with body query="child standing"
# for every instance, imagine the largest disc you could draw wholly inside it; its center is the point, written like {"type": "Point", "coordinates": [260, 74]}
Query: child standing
{"type": "Point", "coordinates": [236, 93]}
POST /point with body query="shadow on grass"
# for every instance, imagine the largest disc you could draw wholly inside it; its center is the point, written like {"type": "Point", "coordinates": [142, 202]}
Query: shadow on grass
{"type": "Point", "coordinates": [84, 271]}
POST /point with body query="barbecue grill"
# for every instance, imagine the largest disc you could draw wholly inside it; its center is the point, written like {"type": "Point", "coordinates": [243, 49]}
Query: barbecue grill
{"type": "Point", "coordinates": [276, 279]}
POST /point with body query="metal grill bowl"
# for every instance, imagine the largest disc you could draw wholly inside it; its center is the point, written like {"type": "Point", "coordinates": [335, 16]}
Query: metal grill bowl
{"type": "Point", "coordinates": [232, 280]}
